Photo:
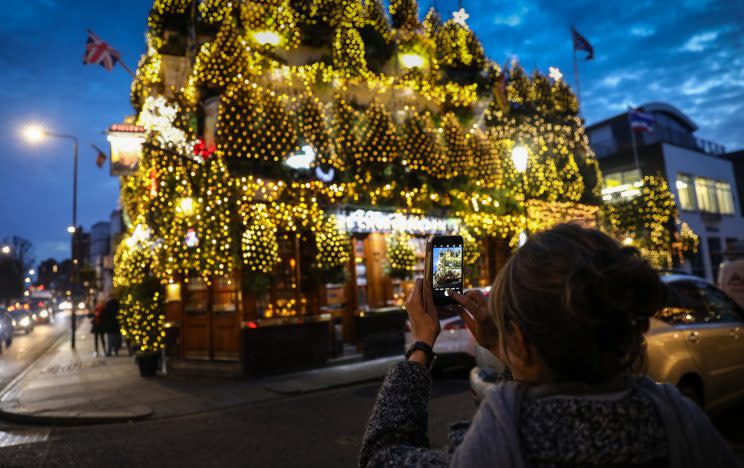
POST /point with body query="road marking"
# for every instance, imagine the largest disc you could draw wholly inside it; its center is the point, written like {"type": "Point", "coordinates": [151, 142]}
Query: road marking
{"type": "Point", "coordinates": [9, 438]}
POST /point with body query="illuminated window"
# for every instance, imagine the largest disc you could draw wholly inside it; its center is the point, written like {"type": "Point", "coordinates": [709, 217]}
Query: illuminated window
{"type": "Point", "coordinates": [707, 198]}
{"type": "Point", "coordinates": [686, 191]}
{"type": "Point", "coordinates": [615, 179]}
{"type": "Point", "coordinates": [725, 199]}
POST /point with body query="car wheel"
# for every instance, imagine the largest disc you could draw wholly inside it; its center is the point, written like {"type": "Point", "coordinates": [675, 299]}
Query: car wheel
{"type": "Point", "coordinates": [692, 392]}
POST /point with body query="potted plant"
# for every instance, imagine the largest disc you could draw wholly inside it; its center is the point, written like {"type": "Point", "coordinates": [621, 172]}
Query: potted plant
{"type": "Point", "coordinates": [141, 306]}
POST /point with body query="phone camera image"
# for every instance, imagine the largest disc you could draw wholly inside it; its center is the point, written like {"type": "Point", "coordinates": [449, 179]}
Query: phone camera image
{"type": "Point", "coordinates": [447, 265]}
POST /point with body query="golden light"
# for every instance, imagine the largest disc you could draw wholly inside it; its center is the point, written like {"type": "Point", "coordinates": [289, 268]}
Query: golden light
{"type": "Point", "coordinates": [186, 206]}
{"type": "Point", "coordinates": [628, 241]}
{"type": "Point", "coordinates": [267, 37]}
{"type": "Point", "coordinates": [520, 157]}
{"type": "Point", "coordinates": [33, 133]}
{"type": "Point", "coordinates": [411, 60]}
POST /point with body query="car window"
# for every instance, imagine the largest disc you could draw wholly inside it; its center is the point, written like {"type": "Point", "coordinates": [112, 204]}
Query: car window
{"type": "Point", "coordinates": [722, 305]}
{"type": "Point", "coordinates": [683, 304]}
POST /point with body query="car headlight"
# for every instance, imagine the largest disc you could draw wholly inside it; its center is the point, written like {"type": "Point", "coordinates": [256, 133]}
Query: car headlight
{"type": "Point", "coordinates": [44, 313]}
{"type": "Point", "coordinates": [25, 321]}
{"type": "Point", "coordinates": [81, 305]}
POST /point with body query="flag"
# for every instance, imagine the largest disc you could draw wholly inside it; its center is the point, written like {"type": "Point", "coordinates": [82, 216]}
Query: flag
{"type": "Point", "coordinates": [98, 52]}
{"type": "Point", "coordinates": [580, 43]}
{"type": "Point", "coordinates": [641, 121]}
{"type": "Point", "coordinates": [100, 157]}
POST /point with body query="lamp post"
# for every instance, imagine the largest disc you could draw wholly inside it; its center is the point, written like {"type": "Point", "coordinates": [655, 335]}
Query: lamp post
{"type": "Point", "coordinates": [35, 134]}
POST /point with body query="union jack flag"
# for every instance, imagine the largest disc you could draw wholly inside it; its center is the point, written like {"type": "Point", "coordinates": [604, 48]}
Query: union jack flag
{"type": "Point", "coordinates": [98, 52]}
{"type": "Point", "coordinates": [641, 121]}
{"type": "Point", "coordinates": [580, 43]}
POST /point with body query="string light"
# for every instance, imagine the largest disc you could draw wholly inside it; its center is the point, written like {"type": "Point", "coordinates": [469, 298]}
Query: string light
{"type": "Point", "coordinates": [404, 114]}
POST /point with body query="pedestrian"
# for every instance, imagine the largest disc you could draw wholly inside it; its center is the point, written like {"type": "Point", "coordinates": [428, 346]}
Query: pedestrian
{"type": "Point", "coordinates": [567, 315]}
{"type": "Point", "coordinates": [97, 330]}
{"type": "Point", "coordinates": [110, 325]}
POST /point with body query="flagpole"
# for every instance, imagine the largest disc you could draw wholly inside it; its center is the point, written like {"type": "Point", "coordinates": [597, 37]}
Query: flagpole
{"type": "Point", "coordinates": [633, 140]}
{"type": "Point", "coordinates": [126, 68]}
{"type": "Point", "coordinates": [576, 79]}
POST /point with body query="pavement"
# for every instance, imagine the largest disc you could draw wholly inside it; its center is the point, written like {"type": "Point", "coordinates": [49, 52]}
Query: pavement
{"type": "Point", "coordinates": [76, 387]}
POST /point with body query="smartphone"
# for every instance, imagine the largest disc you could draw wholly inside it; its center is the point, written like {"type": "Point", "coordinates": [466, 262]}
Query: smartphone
{"type": "Point", "coordinates": [444, 267]}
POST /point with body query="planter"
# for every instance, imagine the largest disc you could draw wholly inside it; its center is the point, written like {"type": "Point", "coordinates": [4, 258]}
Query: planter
{"type": "Point", "coordinates": [148, 364]}
{"type": "Point", "coordinates": [270, 347]}
{"type": "Point", "coordinates": [381, 332]}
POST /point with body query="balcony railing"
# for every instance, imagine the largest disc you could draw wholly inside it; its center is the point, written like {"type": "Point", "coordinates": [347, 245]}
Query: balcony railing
{"type": "Point", "coordinates": [660, 134]}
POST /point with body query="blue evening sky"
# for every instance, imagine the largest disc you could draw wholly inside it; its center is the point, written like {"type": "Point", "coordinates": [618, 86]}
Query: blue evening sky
{"type": "Point", "coordinates": [689, 53]}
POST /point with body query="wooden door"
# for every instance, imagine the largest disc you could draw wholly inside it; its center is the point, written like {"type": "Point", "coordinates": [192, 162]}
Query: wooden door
{"type": "Point", "coordinates": [225, 321]}
{"type": "Point", "coordinates": [196, 321]}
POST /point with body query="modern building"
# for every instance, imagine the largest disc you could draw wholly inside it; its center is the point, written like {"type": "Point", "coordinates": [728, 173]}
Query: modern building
{"type": "Point", "coordinates": [698, 172]}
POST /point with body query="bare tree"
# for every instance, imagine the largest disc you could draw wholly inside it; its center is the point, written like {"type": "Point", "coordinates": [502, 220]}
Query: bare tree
{"type": "Point", "coordinates": [22, 250]}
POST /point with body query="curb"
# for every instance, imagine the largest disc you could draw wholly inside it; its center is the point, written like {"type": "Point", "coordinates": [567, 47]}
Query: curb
{"type": "Point", "coordinates": [23, 415]}
{"type": "Point", "coordinates": [313, 381]}
{"type": "Point", "coordinates": [74, 418]}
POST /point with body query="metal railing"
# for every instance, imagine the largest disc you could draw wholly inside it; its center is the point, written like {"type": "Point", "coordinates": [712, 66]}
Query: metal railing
{"type": "Point", "coordinates": [660, 134]}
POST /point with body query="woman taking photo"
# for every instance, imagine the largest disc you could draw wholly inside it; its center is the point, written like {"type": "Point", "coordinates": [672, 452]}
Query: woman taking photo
{"type": "Point", "coordinates": [566, 315]}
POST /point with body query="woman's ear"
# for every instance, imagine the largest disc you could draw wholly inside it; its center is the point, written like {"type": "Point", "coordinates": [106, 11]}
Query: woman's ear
{"type": "Point", "coordinates": [517, 350]}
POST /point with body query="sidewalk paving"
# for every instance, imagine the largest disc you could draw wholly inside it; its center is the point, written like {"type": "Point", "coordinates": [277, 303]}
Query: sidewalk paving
{"type": "Point", "coordinates": [75, 387]}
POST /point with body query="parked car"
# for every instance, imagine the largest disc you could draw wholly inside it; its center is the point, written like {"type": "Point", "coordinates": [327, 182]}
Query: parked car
{"type": "Point", "coordinates": [695, 341]}
{"type": "Point", "coordinates": [21, 318]}
{"type": "Point", "coordinates": [6, 328]}
{"type": "Point", "coordinates": [455, 345]}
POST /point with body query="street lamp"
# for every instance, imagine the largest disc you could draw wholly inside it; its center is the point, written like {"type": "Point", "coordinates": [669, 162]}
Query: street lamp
{"type": "Point", "coordinates": [6, 249]}
{"type": "Point", "coordinates": [35, 133]}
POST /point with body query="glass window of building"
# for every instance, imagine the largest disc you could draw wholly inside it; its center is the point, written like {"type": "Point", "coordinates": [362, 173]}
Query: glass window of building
{"type": "Point", "coordinates": [615, 179]}
{"type": "Point", "coordinates": [707, 198]}
{"type": "Point", "coordinates": [725, 199]}
{"type": "Point", "coordinates": [686, 191]}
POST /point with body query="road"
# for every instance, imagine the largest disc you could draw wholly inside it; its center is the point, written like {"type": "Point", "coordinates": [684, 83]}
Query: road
{"type": "Point", "coordinates": [26, 348]}
{"type": "Point", "coordinates": [315, 430]}
{"type": "Point", "coordinates": [320, 429]}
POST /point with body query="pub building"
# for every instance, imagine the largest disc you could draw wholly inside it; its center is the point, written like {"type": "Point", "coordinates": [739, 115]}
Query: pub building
{"type": "Point", "coordinates": [258, 122]}
{"type": "Point", "coordinates": [217, 322]}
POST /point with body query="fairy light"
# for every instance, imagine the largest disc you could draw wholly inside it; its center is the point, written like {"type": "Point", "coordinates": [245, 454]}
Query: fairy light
{"type": "Point", "coordinates": [434, 135]}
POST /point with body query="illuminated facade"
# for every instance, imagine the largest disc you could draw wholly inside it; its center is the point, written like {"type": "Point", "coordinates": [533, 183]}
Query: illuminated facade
{"type": "Point", "coordinates": [289, 145]}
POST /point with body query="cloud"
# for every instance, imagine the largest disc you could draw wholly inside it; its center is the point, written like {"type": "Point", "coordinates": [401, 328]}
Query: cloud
{"type": "Point", "coordinates": [642, 30]}
{"type": "Point", "coordinates": [700, 42]}
{"type": "Point", "coordinates": [512, 18]}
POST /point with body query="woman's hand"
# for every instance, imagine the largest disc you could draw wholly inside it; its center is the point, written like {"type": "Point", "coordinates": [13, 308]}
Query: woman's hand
{"type": "Point", "coordinates": [475, 315]}
{"type": "Point", "coordinates": [423, 313]}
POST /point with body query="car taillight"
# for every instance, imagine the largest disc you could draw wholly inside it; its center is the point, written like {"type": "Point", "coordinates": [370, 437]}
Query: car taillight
{"type": "Point", "coordinates": [456, 325]}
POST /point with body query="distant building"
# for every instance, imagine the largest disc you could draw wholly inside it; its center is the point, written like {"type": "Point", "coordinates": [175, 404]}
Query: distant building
{"type": "Point", "coordinates": [81, 246]}
{"type": "Point", "coordinates": [100, 249]}
{"type": "Point", "coordinates": [699, 175]}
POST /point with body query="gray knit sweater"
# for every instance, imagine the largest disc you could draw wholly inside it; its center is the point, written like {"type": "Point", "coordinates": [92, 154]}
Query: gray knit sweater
{"type": "Point", "coordinates": [642, 424]}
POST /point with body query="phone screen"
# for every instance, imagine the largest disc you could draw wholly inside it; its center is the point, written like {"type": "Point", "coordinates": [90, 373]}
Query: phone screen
{"type": "Point", "coordinates": [446, 267]}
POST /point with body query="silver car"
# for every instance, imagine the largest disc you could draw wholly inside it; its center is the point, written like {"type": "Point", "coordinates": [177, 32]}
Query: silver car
{"type": "Point", "coordinates": [696, 341]}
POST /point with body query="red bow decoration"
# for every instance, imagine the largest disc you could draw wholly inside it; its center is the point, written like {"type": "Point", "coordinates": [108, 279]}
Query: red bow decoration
{"type": "Point", "coordinates": [201, 149]}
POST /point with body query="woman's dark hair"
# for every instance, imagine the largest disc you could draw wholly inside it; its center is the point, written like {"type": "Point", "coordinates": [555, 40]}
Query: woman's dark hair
{"type": "Point", "coordinates": [581, 299]}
